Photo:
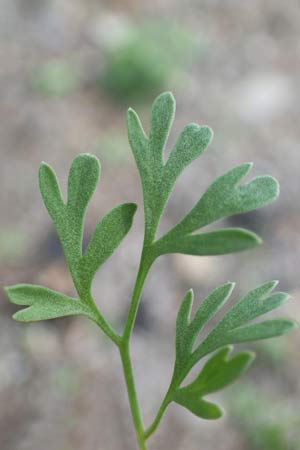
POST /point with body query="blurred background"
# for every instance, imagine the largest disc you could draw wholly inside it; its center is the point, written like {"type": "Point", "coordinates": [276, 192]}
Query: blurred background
{"type": "Point", "coordinates": [68, 72]}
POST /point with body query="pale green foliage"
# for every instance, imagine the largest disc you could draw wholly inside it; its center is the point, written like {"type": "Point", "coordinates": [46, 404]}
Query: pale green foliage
{"type": "Point", "coordinates": [232, 329]}
{"type": "Point", "coordinates": [225, 197]}
{"type": "Point", "coordinates": [157, 177]}
{"type": "Point", "coordinates": [69, 222]}
{"type": "Point", "coordinates": [69, 219]}
{"type": "Point", "coordinates": [218, 372]}
{"type": "Point", "coordinates": [44, 303]}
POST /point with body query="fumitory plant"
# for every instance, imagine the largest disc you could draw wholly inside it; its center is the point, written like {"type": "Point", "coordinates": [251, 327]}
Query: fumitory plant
{"type": "Point", "coordinates": [224, 197]}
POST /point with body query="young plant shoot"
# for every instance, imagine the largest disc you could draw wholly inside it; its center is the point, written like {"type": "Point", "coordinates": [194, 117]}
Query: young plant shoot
{"type": "Point", "coordinates": [224, 197]}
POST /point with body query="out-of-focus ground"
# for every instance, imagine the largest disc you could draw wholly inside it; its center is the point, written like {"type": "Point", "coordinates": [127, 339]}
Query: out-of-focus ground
{"type": "Point", "coordinates": [61, 385]}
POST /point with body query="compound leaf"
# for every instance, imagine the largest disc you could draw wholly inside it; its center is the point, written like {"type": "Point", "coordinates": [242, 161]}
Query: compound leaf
{"type": "Point", "coordinates": [157, 177]}
{"type": "Point", "coordinates": [69, 219]}
{"type": "Point", "coordinates": [44, 303]}
{"type": "Point", "coordinates": [234, 327]}
{"type": "Point", "coordinates": [225, 197]}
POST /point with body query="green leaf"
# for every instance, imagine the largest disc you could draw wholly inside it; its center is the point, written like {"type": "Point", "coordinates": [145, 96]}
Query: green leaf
{"type": "Point", "coordinates": [225, 198]}
{"type": "Point", "coordinates": [262, 330]}
{"type": "Point", "coordinates": [219, 242]}
{"type": "Point", "coordinates": [192, 142]}
{"type": "Point", "coordinates": [199, 407]}
{"type": "Point", "coordinates": [233, 328]}
{"type": "Point", "coordinates": [162, 116]}
{"type": "Point", "coordinates": [218, 372]}
{"type": "Point", "coordinates": [44, 303]}
{"type": "Point", "coordinates": [107, 236]}
{"type": "Point", "coordinates": [51, 193]}
{"type": "Point", "coordinates": [157, 177]}
{"type": "Point", "coordinates": [206, 310]}
{"type": "Point", "coordinates": [82, 182]}
{"type": "Point", "coordinates": [188, 330]}
{"type": "Point", "coordinates": [137, 139]}
{"type": "Point", "coordinates": [69, 220]}
{"type": "Point", "coordinates": [254, 304]}
{"type": "Point", "coordinates": [182, 324]}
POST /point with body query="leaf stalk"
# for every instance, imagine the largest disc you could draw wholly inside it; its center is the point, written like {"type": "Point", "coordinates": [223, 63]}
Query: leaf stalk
{"type": "Point", "coordinates": [124, 347]}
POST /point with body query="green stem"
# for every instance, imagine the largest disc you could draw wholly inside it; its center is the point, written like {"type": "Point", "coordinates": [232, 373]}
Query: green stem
{"type": "Point", "coordinates": [103, 323]}
{"type": "Point", "coordinates": [132, 395]}
{"type": "Point", "coordinates": [165, 403]}
{"type": "Point", "coordinates": [145, 264]}
{"type": "Point", "coordinates": [124, 347]}
{"type": "Point", "coordinates": [174, 384]}
{"type": "Point", "coordinates": [153, 427]}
